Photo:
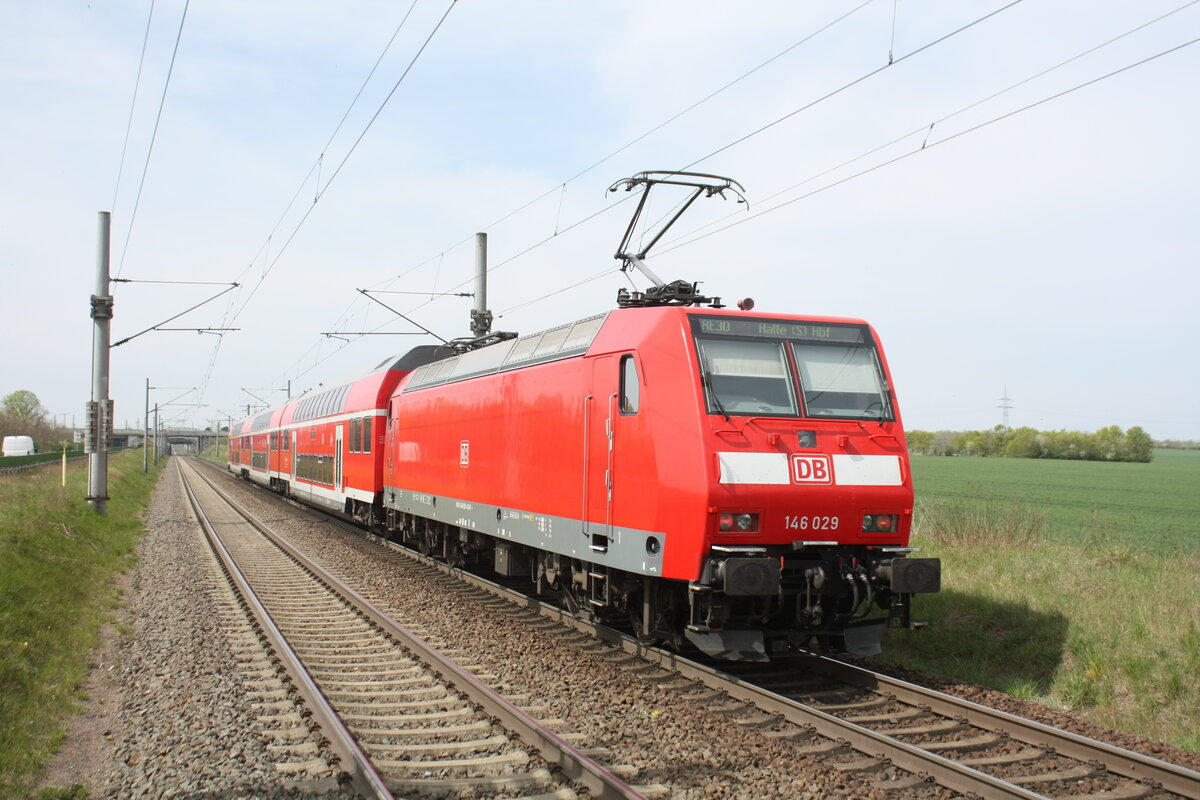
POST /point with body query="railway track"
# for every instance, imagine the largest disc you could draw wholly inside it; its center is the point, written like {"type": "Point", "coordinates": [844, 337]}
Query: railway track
{"type": "Point", "coordinates": [825, 705]}
{"type": "Point", "coordinates": [966, 747]}
{"type": "Point", "coordinates": [401, 717]}
{"type": "Point", "coordinates": [869, 723]}
{"type": "Point", "coordinates": [1011, 751]}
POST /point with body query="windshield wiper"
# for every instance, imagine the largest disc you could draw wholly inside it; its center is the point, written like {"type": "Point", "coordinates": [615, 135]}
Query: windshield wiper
{"type": "Point", "coordinates": [706, 379]}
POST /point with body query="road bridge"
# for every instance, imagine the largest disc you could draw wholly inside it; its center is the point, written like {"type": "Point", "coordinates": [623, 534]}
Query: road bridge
{"type": "Point", "coordinates": [192, 440]}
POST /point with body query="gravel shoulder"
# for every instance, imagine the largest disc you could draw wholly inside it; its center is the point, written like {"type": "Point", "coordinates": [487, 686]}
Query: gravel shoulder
{"type": "Point", "coordinates": [88, 748]}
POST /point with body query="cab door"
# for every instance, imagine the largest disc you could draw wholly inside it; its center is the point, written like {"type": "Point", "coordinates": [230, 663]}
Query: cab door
{"type": "Point", "coordinates": [599, 442]}
{"type": "Point", "coordinates": [611, 448]}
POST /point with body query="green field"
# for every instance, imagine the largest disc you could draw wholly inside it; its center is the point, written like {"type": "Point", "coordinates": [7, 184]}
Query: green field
{"type": "Point", "coordinates": [1155, 506]}
{"type": "Point", "coordinates": [1055, 586]}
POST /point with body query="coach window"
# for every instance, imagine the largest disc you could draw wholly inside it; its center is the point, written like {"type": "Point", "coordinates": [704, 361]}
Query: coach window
{"type": "Point", "coordinates": [631, 388]}
{"type": "Point", "coordinates": [355, 435]}
{"type": "Point", "coordinates": [367, 429]}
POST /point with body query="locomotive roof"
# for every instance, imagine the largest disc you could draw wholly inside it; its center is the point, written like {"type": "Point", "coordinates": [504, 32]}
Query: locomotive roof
{"type": "Point", "coordinates": [564, 341]}
{"type": "Point", "coordinates": [419, 356]}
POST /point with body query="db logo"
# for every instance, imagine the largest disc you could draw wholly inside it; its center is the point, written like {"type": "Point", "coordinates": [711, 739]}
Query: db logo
{"type": "Point", "coordinates": [811, 469]}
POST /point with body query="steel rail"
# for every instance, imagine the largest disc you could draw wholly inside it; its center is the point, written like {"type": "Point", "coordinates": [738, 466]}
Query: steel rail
{"type": "Point", "coordinates": [358, 766]}
{"type": "Point", "coordinates": [1171, 777]}
{"type": "Point", "coordinates": [600, 782]}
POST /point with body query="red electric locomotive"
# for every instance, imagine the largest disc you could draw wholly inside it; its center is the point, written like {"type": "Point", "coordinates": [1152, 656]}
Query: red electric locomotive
{"type": "Point", "coordinates": [738, 479]}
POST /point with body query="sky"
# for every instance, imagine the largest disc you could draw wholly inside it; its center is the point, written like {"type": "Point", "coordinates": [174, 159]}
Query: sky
{"type": "Point", "coordinates": [969, 176]}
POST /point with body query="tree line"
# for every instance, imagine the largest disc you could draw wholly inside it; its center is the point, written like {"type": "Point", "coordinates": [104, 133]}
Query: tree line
{"type": "Point", "coordinates": [21, 414]}
{"type": "Point", "coordinates": [1106, 444]}
{"type": "Point", "coordinates": [1177, 444]}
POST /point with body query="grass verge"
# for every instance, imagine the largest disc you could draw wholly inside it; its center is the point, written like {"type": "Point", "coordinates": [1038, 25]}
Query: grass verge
{"type": "Point", "coordinates": [58, 561]}
{"type": "Point", "coordinates": [217, 452]}
{"type": "Point", "coordinates": [1100, 627]}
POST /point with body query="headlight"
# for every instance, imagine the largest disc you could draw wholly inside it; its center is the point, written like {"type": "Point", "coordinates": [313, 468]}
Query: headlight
{"type": "Point", "coordinates": [738, 523]}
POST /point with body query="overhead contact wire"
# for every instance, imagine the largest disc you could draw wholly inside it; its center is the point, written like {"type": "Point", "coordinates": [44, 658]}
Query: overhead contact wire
{"type": "Point", "coordinates": [562, 185]}
{"type": "Point", "coordinates": [853, 83]}
{"type": "Point", "coordinates": [952, 137]}
{"type": "Point", "coordinates": [137, 82]}
{"type": "Point", "coordinates": [316, 165]}
{"type": "Point", "coordinates": [153, 136]}
{"type": "Point", "coordinates": [928, 129]}
{"type": "Point", "coordinates": [321, 190]}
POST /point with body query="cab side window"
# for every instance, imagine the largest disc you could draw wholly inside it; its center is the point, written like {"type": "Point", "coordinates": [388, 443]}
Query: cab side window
{"type": "Point", "coordinates": [631, 387]}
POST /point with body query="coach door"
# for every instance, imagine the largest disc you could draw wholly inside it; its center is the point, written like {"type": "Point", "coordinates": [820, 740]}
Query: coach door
{"type": "Point", "coordinates": [293, 459]}
{"type": "Point", "coordinates": [337, 459]}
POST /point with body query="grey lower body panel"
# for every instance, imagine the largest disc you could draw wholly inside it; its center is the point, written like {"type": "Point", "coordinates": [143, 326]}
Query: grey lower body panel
{"type": "Point", "coordinates": [636, 551]}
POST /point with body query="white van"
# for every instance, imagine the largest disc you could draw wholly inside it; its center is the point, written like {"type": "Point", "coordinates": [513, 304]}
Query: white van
{"type": "Point", "coordinates": [18, 446]}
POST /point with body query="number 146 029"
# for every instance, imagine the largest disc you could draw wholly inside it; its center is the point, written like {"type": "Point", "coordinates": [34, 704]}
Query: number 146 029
{"type": "Point", "coordinates": [801, 523]}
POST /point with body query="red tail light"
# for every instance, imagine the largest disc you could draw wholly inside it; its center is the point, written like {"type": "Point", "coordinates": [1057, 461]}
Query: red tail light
{"type": "Point", "coordinates": [880, 523]}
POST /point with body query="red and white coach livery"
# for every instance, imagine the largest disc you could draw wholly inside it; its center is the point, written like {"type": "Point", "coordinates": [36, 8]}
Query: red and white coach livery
{"type": "Point", "coordinates": [325, 448]}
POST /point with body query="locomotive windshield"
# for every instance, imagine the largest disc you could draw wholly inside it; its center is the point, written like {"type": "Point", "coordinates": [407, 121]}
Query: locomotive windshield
{"type": "Point", "coordinates": [763, 367]}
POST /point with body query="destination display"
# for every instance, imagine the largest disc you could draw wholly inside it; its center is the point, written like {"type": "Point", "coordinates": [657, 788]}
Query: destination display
{"type": "Point", "coordinates": [777, 329]}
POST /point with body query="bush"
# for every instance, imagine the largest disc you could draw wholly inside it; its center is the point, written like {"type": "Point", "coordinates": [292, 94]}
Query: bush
{"type": "Point", "coordinates": [1106, 444]}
